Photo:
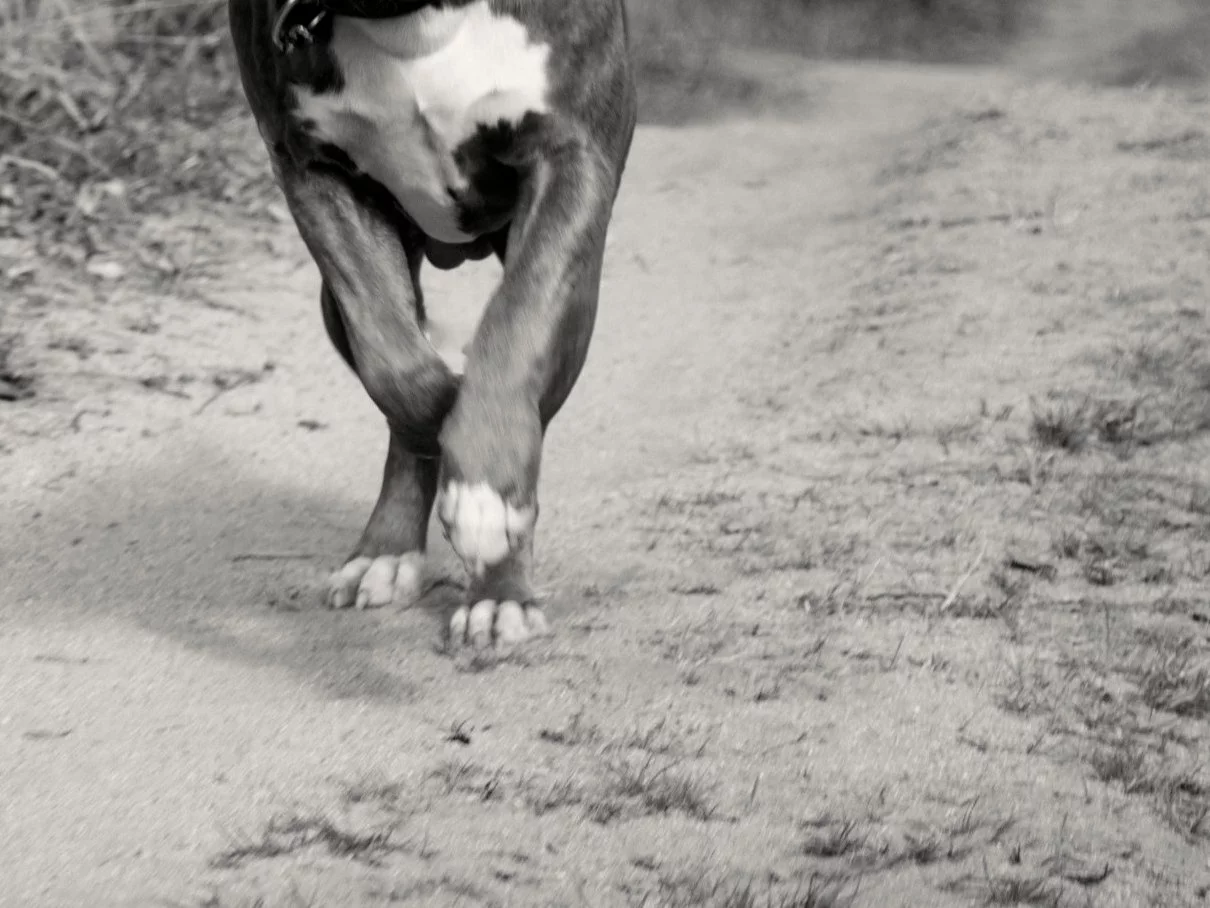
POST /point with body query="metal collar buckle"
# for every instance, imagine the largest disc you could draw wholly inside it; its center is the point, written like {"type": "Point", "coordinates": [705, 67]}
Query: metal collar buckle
{"type": "Point", "coordinates": [296, 24]}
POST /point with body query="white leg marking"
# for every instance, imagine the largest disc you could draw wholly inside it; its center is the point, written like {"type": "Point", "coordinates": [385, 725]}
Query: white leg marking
{"type": "Point", "coordinates": [481, 527]}
{"type": "Point", "coordinates": [510, 624]}
{"type": "Point", "coordinates": [377, 582]}
{"type": "Point", "coordinates": [479, 625]}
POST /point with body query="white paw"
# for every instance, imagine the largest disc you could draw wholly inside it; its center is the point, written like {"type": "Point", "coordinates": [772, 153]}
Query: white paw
{"type": "Point", "coordinates": [505, 624]}
{"type": "Point", "coordinates": [376, 582]}
{"type": "Point", "coordinates": [482, 528]}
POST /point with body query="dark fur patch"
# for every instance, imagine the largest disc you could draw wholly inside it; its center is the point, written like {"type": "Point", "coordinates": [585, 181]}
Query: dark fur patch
{"type": "Point", "coordinates": [488, 202]}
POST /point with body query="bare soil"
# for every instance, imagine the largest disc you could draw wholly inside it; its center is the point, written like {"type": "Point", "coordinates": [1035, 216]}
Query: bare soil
{"type": "Point", "coordinates": [876, 536]}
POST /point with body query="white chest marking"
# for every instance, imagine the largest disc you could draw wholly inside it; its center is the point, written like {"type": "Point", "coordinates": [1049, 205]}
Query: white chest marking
{"type": "Point", "coordinates": [415, 87]}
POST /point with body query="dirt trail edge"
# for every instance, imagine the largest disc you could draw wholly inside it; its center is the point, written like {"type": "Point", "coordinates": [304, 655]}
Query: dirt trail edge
{"type": "Point", "coordinates": [770, 675]}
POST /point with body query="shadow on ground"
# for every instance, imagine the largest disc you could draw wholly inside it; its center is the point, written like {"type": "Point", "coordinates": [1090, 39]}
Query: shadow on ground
{"type": "Point", "coordinates": [250, 591]}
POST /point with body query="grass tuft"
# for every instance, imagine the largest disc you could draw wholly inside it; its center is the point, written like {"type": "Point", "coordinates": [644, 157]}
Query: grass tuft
{"type": "Point", "coordinates": [1058, 425]}
{"type": "Point", "coordinates": [1176, 682]}
{"type": "Point", "coordinates": [286, 835]}
{"type": "Point", "coordinates": [660, 787]}
{"type": "Point", "coordinates": [709, 889]}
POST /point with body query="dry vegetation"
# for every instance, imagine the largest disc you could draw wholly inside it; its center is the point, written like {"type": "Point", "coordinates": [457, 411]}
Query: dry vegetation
{"type": "Point", "coordinates": [116, 117]}
{"type": "Point", "coordinates": [115, 113]}
{"type": "Point", "coordinates": [126, 160]}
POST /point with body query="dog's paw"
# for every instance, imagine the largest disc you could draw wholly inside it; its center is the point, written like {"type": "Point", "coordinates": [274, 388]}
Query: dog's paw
{"type": "Point", "coordinates": [377, 582]}
{"type": "Point", "coordinates": [499, 624]}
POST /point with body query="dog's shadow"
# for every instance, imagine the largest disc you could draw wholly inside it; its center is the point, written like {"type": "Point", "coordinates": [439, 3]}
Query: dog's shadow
{"type": "Point", "coordinates": [217, 561]}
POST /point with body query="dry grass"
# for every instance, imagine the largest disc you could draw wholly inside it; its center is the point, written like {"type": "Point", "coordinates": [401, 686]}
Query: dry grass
{"type": "Point", "coordinates": [111, 111]}
{"type": "Point", "coordinates": [291, 833]}
{"type": "Point", "coordinates": [706, 888]}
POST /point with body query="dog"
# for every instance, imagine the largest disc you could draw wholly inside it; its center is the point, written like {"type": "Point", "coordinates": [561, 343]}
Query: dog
{"type": "Point", "coordinates": [446, 131]}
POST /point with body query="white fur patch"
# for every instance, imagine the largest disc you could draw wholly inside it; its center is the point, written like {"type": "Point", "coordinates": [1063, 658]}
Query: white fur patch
{"type": "Point", "coordinates": [483, 529]}
{"type": "Point", "coordinates": [416, 87]}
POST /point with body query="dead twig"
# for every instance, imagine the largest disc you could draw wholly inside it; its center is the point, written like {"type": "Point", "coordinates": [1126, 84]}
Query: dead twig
{"type": "Point", "coordinates": [953, 594]}
{"type": "Point", "coordinates": [43, 170]}
{"type": "Point", "coordinates": [225, 383]}
{"type": "Point", "coordinates": [1031, 566]}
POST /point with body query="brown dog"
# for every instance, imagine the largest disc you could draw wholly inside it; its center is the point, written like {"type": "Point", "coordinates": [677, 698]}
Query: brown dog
{"type": "Point", "coordinates": [449, 130]}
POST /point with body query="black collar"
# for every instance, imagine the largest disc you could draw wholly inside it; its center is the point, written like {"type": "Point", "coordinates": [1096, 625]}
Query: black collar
{"type": "Point", "coordinates": [300, 23]}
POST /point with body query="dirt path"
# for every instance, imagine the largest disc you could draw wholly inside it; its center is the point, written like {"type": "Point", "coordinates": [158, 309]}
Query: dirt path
{"type": "Point", "coordinates": [755, 680]}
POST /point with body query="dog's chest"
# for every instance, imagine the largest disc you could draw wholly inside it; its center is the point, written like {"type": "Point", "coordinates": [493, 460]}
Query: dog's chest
{"type": "Point", "coordinates": [416, 90]}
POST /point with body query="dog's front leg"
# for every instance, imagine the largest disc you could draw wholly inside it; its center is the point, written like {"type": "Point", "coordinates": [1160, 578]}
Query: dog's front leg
{"type": "Point", "coordinates": [372, 311]}
{"type": "Point", "coordinates": [525, 357]}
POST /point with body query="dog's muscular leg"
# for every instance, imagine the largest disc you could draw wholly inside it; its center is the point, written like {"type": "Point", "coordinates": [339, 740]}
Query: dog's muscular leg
{"type": "Point", "coordinates": [387, 564]}
{"type": "Point", "coordinates": [371, 308]}
{"type": "Point", "coordinates": [365, 267]}
{"type": "Point", "coordinates": [526, 356]}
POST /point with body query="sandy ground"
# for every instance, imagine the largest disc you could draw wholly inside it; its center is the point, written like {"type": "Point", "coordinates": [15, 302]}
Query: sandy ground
{"type": "Point", "coordinates": [875, 536]}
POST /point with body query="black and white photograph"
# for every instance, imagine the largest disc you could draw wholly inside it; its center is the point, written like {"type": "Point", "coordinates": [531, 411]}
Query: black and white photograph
{"type": "Point", "coordinates": [604, 453]}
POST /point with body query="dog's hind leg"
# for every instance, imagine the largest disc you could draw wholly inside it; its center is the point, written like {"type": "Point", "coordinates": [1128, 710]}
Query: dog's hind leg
{"type": "Point", "coordinates": [373, 313]}
{"type": "Point", "coordinates": [386, 566]}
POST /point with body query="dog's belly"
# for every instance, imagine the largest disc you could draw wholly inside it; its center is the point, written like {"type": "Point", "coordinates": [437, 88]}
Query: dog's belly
{"type": "Point", "coordinates": [416, 89]}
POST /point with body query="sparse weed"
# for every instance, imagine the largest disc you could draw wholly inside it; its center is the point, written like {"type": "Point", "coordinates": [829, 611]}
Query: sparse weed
{"type": "Point", "coordinates": [1183, 800]}
{"type": "Point", "coordinates": [835, 840]}
{"type": "Point", "coordinates": [1059, 425]}
{"type": "Point", "coordinates": [373, 790]}
{"type": "Point", "coordinates": [466, 777]}
{"type": "Point", "coordinates": [964, 431]}
{"type": "Point", "coordinates": [575, 733]}
{"type": "Point", "coordinates": [1010, 888]}
{"type": "Point", "coordinates": [1116, 422]}
{"type": "Point", "coordinates": [931, 850]}
{"type": "Point", "coordinates": [1028, 691]}
{"type": "Point", "coordinates": [1176, 682]}
{"type": "Point", "coordinates": [767, 690]}
{"type": "Point", "coordinates": [708, 889]}
{"type": "Point", "coordinates": [1172, 373]}
{"type": "Point", "coordinates": [973, 819]}
{"type": "Point", "coordinates": [1022, 890]}
{"type": "Point", "coordinates": [660, 787]}
{"type": "Point", "coordinates": [661, 738]}
{"type": "Point", "coordinates": [285, 835]}
{"type": "Point", "coordinates": [603, 809]}
{"type": "Point", "coordinates": [422, 891]}
{"type": "Point", "coordinates": [896, 430]}
{"type": "Point", "coordinates": [557, 795]}
{"type": "Point", "coordinates": [1125, 764]}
